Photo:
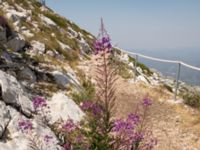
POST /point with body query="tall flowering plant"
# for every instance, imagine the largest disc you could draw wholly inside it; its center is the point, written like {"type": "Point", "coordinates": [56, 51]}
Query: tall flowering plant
{"type": "Point", "coordinates": [106, 76]}
{"type": "Point", "coordinates": [101, 110]}
{"type": "Point", "coordinates": [100, 131]}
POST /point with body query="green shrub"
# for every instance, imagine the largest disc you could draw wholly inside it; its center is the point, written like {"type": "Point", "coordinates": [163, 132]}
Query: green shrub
{"type": "Point", "coordinates": [142, 66]}
{"type": "Point", "coordinates": [192, 98]}
{"type": "Point", "coordinates": [121, 68]}
{"type": "Point", "coordinates": [169, 88]}
{"type": "Point", "coordinates": [23, 2]}
{"type": "Point", "coordinates": [57, 19]}
{"type": "Point", "coordinates": [87, 93]}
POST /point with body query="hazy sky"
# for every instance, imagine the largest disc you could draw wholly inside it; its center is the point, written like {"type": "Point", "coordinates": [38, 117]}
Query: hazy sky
{"type": "Point", "coordinates": [138, 24]}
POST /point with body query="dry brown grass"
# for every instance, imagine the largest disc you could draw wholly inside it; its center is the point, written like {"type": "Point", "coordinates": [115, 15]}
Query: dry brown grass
{"type": "Point", "coordinates": [174, 125]}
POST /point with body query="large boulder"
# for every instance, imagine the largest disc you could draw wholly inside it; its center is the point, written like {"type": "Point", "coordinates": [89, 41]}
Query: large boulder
{"type": "Point", "coordinates": [62, 107]}
{"type": "Point", "coordinates": [61, 79]}
{"type": "Point", "coordinates": [27, 74]}
{"type": "Point", "coordinates": [22, 141]}
{"type": "Point", "coordinates": [14, 94]}
{"type": "Point", "coordinates": [38, 47]}
{"type": "Point", "coordinates": [3, 38]}
{"type": "Point", "coordinates": [16, 43]}
{"type": "Point", "coordinates": [17, 144]}
{"type": "Point", "coordinates": [4, 117]}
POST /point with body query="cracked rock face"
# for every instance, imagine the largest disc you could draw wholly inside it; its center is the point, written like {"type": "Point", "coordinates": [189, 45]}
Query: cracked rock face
{"type": "Point", "coordinates": [4, 117]}
{"type": "Point", "coordinates": [21, 141]}
{"type": "Point", "coordinates": [62, 107]}
{"type": "Point", "coordinates": [13, 93]}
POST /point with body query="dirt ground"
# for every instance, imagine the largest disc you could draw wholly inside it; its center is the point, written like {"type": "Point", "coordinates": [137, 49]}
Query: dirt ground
{"type": "Point", "coordinates": [175, 125]}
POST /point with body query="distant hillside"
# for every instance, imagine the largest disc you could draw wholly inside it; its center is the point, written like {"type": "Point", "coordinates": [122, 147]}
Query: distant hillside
{"type": "Point", "coordinates": [37, 24]}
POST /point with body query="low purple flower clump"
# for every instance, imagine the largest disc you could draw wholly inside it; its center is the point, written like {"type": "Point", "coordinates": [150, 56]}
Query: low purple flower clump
{"type": "Point", "coordinates": [25, 125]}
{"type": "Point", "coordinates": [69, 126]}
{"type": "Point", "coordinates": [147, 102]}
{"type": "Point", "coordinates": [38, 103]}
{"type": "Point", "coordinates": [95, 108]}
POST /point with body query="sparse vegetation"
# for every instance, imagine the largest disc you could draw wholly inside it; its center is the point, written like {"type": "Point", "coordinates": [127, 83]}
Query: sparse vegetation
{"type": "Point", "coordinates": [87, 93]}
{"type": "Point", "coordinates": [192, 98]}
{"type": "Point", "coordinates": [122, 68]}
{"type": "Point", "coordinates": [57, 19]}
{"type": "Point", "coordinates": [169, 88]}
{"type": "Point", "coordinates": [142, 66]}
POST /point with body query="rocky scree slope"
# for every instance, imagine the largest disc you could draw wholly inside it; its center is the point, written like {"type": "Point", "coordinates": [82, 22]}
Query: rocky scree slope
{"type": "Point", "coordinates": [39, 52]}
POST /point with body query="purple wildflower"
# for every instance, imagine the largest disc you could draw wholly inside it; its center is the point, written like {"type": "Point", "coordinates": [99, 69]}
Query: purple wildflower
{"type": "Point", "coordinates": [69, 126]}
{"type": "Point", "coordinates": [86, 105]}
{"type": "Point", "coordinates": [79, 139]}
{"type": "Point", "coordinates": [150, 144]}
{"type": "Point", "coordinates": [65, 147]}
{"type": "Point", "coordinates": [47, 138]}
{"type": "Point", "coordinates": [25, 125]}
{"type": "Point", "coordinates": [133, 118]}
{"type": "Point", "coordinates": [103, 42]}
{"type": "Point", "coordinates": [96, 109]}
{"type": "Point", "coordinates": [39, 102]}
{"type": "Point", "coordinates": [121, 125]}
{"type": "Point", "coordinates": [147, 102]}
{"type": "Point", "coordinates": [137, 137]}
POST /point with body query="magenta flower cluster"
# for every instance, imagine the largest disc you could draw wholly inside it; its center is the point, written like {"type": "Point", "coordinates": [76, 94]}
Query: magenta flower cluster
{"type": "Point", "coordinates": [39, 102]}
{"type": "Point", "coordinates": [147, 102]}
{"type": "Point", "coordinates": [95, 108]}
{"type": "Point", "coordinates": [131, 130]}
{"type": "Point", "coordinates": [47, 138]}
{"type": "Point", "coordinates": [25, 125]}
{"type": "Point", "coordinates": [69, 126]}
{"type": "Point", "coordinates": [103, 44]}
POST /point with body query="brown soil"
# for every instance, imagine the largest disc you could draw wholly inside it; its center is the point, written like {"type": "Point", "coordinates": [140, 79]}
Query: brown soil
{"type": "Point", "coordinates": [176, 126]}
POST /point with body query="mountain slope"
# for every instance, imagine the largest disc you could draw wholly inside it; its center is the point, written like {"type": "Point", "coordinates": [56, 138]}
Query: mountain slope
{"type": "Point", "coordinates": [34, 22]}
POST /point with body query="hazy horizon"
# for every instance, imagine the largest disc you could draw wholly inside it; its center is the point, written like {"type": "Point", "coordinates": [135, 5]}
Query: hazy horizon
{"type": "Point", "coordinates": [156, 24]}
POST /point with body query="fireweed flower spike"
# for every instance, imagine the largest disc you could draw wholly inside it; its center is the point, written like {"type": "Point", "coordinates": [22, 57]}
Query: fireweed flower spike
{"type": "Point", "coordinates": [103, 42]}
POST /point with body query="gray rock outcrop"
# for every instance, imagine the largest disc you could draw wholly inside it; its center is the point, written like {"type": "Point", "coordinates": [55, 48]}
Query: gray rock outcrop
{"type": "Point", "coordinates": [13, 93]}
{"type": "Point", "coordinates": [4, 117]}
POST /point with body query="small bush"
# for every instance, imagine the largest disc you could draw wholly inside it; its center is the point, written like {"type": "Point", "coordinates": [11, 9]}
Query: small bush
{"type": "Point", "coordinates": [57, 19]}
{"type": "Point", "coordinates": [192, 98]}
{"type": "Point", "coordinates": [122, 68]}
{"type": "Point", "coordinates": [142, 66]}
{"type": "Point", "coordinates": [24, 3]}
{"type": "Point", "coordinates": [87, 93]}
{"type": "Point", "coordinates": [169, 88]}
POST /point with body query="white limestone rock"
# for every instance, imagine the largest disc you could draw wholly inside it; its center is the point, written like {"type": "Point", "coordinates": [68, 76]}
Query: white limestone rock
{"type": "Point", "coordinates": [142, 78]}
{"type": "Point", "coordinates": [62, 107]}
{"type": "Point", "coordinates": [38, 47]}
{"type": "Point", "coordinates": [21, 141]}
{"type": "Point", "coordinates": [4, 117]}
{"type": "Point", "coordinates": [47, 20]}
{"type": "Point", "coordinates": [27, 74]}
{"type": "Point", "coordinates": [13, 93]}
{"type": "Point", "coordinates": [61, 79]}
{"type": "Point", "coordinates": [16, 43]}
{"type": "Point", "coordinates": [64, 46]}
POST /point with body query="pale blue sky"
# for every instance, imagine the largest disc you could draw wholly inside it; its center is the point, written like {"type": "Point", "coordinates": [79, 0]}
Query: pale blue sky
{"type": "Point", "coordinates": [138, 24]}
